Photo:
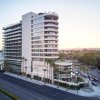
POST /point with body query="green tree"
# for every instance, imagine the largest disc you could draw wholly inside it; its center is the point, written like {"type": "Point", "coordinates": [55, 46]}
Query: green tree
{"type": "Point", "coordinates": [98, 62]}
{"type": "Point", "coordinates": [7, 65]}
{"type": "Point", "coordinates": [51, 63]}
{"type": "Point", "coordinates": [62, 56]}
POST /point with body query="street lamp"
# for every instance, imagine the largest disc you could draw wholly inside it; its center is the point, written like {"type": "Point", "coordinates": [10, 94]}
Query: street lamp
{"type": "Point", "coordinates": [77, 83]}
{"type": "Point", "coordinates": [66, 83]}
{"type": "Point", "coordinates": [25, 70]}
{"type": "Point", "coordinates": [44, 75]}
{"type": "Point", "coordinates": [58, 77]}
{"type": "Point", "coordinates": [31, 68]}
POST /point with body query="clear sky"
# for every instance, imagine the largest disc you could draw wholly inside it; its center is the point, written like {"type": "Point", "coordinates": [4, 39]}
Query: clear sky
{"type": "Point", "coordinates": [79, 20]}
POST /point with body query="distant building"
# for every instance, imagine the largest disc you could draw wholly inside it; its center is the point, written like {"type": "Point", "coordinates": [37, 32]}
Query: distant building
{"type": "Point", "coordinates": [32, 40]}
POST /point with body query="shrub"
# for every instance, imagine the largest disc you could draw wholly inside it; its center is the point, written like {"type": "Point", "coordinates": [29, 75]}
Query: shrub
{"type": "Point", "coordinates": [23, 73]}
{"type": "Point", "coordinates": [65, 85]}
{"type": "Point", "coordinates": [79, 79]}
{"type": "Point", "coordinates": [37, 77]}
{"type": "Point", "coordinates": [20, 73]}
{"type": "Point", "coordinates": [28, 75]}
{"type": "Point", "coordinates": [47, 80]}
{"type": "Point", "coordinates": [80, 86]}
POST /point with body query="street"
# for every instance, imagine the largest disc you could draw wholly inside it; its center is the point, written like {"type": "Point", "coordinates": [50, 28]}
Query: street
{"type": "Point", "coordinates": [95, 73]}
{"type": "Point", "coordinates": [30, 91]}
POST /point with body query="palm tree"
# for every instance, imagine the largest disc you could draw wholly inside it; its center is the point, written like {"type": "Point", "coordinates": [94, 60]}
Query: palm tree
{"type": "Point", "coordinates": [23, 59]}
{"type": "Point", "coordinates": [51, 64]}
{"type": "Point", "coordinates": [46, 64]}
{"type": "Point", "coordinates": [6, 65]}
{"type": "Point", "coordinates": [25, 66]}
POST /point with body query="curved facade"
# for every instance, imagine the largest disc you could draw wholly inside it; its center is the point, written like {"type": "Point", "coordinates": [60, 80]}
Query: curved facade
{"type": "Point", "coordinates": [44, 42]}
{"type": "Point", "coordinates": [45, 36]}
{"type": "Point", "coordinates": [35, 39]}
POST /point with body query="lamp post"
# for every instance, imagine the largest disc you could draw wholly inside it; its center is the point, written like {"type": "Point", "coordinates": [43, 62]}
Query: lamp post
{"type": "Point", "coordinates": [31, 68]}
{"type": "Point", "coordinates": [66, 83]}
{"type": "Point", "coordinates": [23, 65]}
{"type": "Point", "coordinates": [77, 83]}
{"type": "Point", "coordinates": [25, 70]}
{"type": "Point", "coordinates": [58, 79]}
{"type": "Point", "coordinates": [37, 70]}
{"type": "Point", "coordinates": [44, 75]}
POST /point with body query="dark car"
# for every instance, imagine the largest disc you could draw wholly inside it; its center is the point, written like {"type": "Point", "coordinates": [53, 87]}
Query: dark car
{"type": "Point", "coordinates": [94, 83]}
{"type": "Point", "coordinates": [96, 79]}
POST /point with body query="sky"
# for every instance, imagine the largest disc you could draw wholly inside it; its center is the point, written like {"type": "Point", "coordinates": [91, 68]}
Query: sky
{"type": "Point", "coordinates": [79, 20]}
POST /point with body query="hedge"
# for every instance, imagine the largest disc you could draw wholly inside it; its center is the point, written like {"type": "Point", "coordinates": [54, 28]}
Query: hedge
{"type": "Point", "coordinates": [47, 80]}
{"type": "Point", "coordinates": [28, 75]}
{"type": "Point", "coordinates": [44, 79]}
{"type": "Point", "coordinates": [65, 85]}
{"type": "Point", "coordinates": [13, 97]}
{"type": "Point", "coordinates": [37, 77]}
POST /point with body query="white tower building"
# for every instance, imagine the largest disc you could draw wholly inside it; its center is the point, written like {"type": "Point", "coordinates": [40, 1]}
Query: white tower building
{"type": "Point", "coordinates": [35, 38]}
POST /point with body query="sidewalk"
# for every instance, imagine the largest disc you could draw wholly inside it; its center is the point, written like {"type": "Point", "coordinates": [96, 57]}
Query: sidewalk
{"type": "Point", "coordinates": [81, 92]}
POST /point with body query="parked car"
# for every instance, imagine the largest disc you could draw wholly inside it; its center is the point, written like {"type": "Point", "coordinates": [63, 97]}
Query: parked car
{"type": "Point", "coordinates": [96, 79]}
{"type": "Point", "coordinates": [94, 83]}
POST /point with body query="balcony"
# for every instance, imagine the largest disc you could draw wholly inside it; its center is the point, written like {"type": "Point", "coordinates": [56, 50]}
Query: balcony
{"type": "Point", "coordinates": [11, 30]}
{"type": "Point", "coordinates": [12, 33]}
{"type": "Point", "coordinates": [51, 38]}
{"type": "Point", "coordinates": [54, 21]}
{"type": "Point", "coordinates": [12, 36]}
{"type": "Point", "coordinates": [51, 34]}
{"type": "Point", "coordinates": [51, 25]}
{"type": "Point", "coordinates": [51, 29]}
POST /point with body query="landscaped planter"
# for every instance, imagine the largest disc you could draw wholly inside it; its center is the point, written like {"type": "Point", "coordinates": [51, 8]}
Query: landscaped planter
{"type": "Point", "coordinates": [69, 84]}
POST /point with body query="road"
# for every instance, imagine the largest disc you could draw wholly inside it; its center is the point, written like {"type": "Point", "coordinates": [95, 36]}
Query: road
{"type": "Point", "coordinates": [30, 91]}
{"type": "Point", "coordinates": [92, 75]}
{"type": "Point", "coordinates": [95, 73]}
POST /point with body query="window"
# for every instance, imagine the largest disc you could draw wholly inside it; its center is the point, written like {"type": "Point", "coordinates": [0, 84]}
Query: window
{"type": "Point", "coordinates": [31, 34]}
{"type": "Point", "coordinates": [31, 21]}
{"type": "Point", "coordinates": [31, 30]}
{"type": "Point", "coordinates": [31, 26]}
{"type": "Point", "coordinates": [32, 16]}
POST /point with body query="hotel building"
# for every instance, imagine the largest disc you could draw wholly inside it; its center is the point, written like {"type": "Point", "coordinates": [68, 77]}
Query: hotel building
{"type": "Point", "coordinates": [34, 38]}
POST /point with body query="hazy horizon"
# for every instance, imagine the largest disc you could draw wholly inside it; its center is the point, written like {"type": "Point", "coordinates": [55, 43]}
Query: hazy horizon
{"type": "Point", "coordinates": [79, 20]}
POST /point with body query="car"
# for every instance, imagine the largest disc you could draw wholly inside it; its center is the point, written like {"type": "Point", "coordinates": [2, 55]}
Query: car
{"type": "Point", "coordinates": [96, 79]}
{"type": "Point", "coordinates": [90, 77]}
{"type": "Point", "coordinates": [94, 83]}
{"type": "Point", "coordinates": [84, 75]}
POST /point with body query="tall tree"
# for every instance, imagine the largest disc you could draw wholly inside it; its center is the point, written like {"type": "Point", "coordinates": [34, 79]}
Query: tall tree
{"type": "Point", "coordinates": [51, 64]}
{"type": "Point", "coordinates": [23, 64]}
{"type": "Point", "coordinates": [98, 62]}
{"type": "Point", "coordinates": [7, 65]}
